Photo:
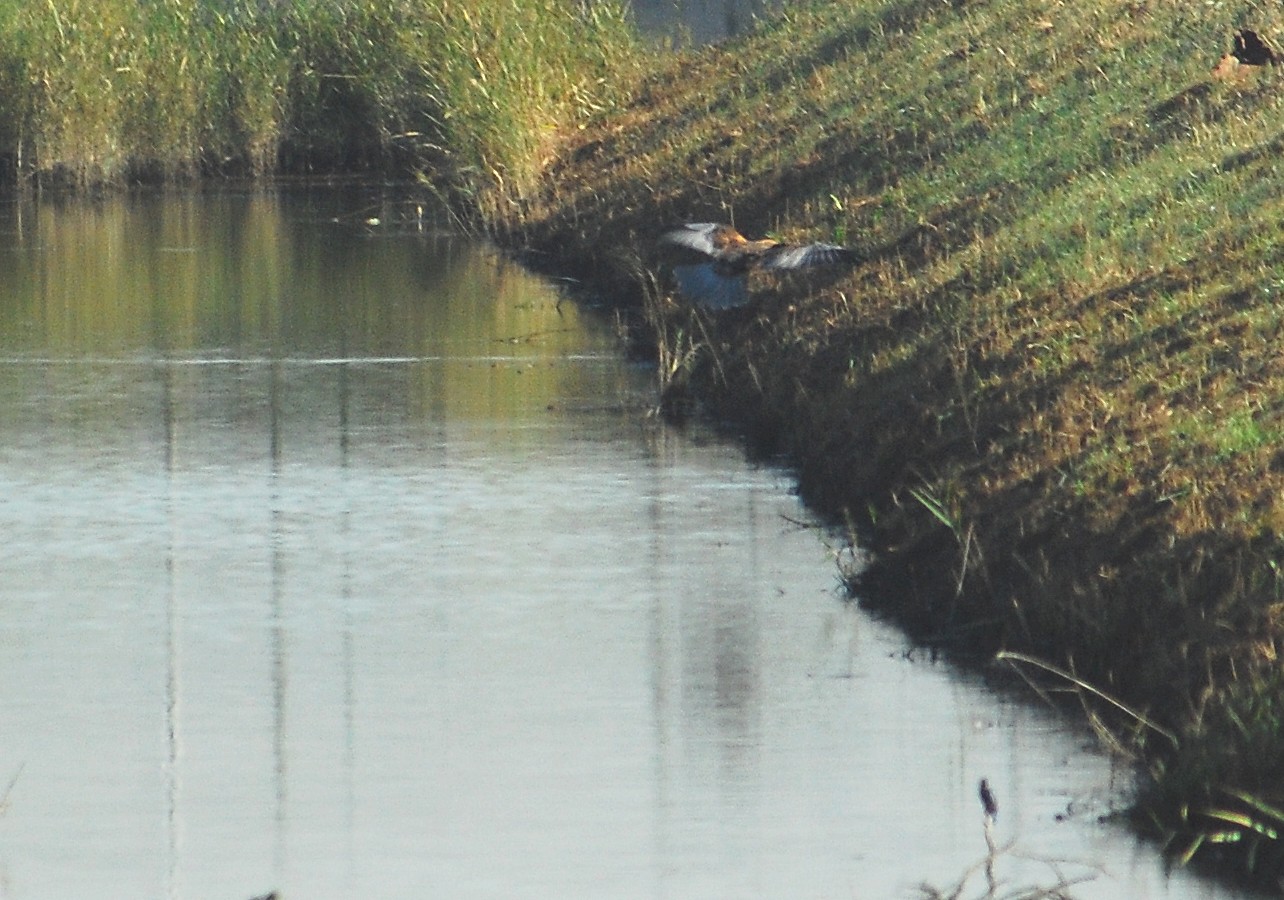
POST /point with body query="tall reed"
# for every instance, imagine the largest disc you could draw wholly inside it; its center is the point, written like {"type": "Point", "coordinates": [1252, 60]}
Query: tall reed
{"type": "Point", "coordinates": [473, 94]}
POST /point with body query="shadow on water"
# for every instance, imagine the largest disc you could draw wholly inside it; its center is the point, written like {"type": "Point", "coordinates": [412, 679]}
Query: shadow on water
{"type": "Point", "coordinates": [698, 21]}
{"type": "Point", "coordinates": [345, 559]}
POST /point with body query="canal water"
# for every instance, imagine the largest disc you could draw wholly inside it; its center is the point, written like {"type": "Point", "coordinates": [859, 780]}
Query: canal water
{"type": "Point", "coordinates": [695, 22]}
{"type": "Point", "coordinates": [342, 558]}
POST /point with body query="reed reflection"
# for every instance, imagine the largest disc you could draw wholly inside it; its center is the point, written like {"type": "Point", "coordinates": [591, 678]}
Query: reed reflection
{"type": "Point", "coordinates": [236, 280]}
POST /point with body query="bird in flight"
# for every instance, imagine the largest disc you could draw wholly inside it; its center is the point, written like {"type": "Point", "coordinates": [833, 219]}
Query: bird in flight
{"type": "Point", "coordinates": [724, 257]}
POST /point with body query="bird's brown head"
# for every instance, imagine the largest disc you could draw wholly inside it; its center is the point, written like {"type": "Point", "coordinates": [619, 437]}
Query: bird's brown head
{"type": "Point", "coordinates": [725, 237]}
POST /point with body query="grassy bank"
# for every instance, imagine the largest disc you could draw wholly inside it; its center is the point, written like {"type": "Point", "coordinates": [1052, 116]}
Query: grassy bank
{"type": "Point", "coordinates": [1050, 396]}
{"type": "Point", "coordinates": [473, 95]}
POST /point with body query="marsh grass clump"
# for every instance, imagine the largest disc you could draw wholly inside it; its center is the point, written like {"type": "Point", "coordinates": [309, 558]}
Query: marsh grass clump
{"type": "Point", "coordinates": [517, 75]}
{"type": "Point", "coordinates": [1049, 398]}
{"type": "Point", "coordinates": [473, 96]}
{"type": "Point", "coordinates": [1219, 796]}
{"type": "Point", "coordinates": [107, 91]}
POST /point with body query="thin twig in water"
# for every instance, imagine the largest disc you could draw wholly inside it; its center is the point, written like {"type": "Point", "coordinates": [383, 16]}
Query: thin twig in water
{"type": "Point", "coordinates": [806, 526]}
{"type": "Point", "coordinates": [1060, 890]}
{"type": "Point", "coordinates": [1057, 891]}
{"type": "Point", "coordinates": [1097, 692]}
{"type": "Point", "coordinates": [4, 798]}
{"type": "Point", "coordinates": [530, 336]}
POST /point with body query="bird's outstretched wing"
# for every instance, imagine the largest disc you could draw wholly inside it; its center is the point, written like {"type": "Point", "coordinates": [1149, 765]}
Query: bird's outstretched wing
{"type": "Point", "coordinates": [697, 236]}
{"type": "Point", "coordinates": [788, 256]}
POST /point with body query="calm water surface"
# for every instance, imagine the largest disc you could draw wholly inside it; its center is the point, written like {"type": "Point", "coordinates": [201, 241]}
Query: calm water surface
{"type": "Point", "coordinates": [699, 21]}
{"type": "Point", "coordinates": [343, 560]}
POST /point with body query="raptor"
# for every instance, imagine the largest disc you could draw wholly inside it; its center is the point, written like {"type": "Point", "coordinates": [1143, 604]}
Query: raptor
{"type": "Point", "coordinates": [723, 257]}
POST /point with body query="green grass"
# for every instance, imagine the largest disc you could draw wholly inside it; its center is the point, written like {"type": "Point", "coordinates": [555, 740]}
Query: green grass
{"type": "Point", "coordinates": [474, 96]}
{"type": "Point", "coordinates": [1050, 397]}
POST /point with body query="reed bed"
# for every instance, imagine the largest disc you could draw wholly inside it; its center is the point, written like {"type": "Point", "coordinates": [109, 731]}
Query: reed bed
{"type": "Point", "coordinates": [472, 95]}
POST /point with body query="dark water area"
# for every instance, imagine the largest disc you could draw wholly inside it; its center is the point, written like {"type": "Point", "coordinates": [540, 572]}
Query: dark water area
{"type": "Point", "coordinates": [345, 559]}
{"type": "Point", "coordinates": [685, 22]}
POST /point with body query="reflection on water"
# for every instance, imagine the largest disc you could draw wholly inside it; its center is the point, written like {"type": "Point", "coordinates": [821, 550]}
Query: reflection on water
{"type": "Point", "coordinates": [344, 561]}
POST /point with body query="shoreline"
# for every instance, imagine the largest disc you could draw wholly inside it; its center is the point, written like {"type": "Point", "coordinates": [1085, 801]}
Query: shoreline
{"type": "Point", "coordinates": [1046, 404]}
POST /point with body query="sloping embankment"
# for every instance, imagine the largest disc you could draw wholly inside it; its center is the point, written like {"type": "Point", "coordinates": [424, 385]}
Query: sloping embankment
{"type": "Point", "coordinates": [1049, 396]}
